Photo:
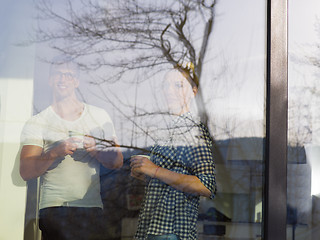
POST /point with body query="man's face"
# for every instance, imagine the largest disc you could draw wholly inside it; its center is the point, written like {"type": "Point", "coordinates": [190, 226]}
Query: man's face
{"type": "Point", "coordinates": [178, 93]}
{"type": "Point", "coordinates": [63, 81]}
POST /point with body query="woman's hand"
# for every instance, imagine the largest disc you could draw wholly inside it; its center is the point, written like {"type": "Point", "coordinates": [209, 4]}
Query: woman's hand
{"type": "Point", "coordinates": [139, 176]}
{"type": "Point", "coordinates": [142, 166]}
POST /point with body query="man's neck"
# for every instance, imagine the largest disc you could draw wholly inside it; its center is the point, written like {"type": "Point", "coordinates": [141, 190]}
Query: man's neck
{"type": "Point", "coordinates": [68, 109]}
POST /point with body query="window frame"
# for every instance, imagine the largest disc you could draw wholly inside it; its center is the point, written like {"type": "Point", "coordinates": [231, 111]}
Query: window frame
{"type": "Point", "coordinates": [275, 200]}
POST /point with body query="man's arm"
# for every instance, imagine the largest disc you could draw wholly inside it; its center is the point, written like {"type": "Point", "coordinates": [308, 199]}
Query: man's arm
{"type": "Point", "coordinates": [34, 162]}
{"type": "Point", "coordinates": [111, 158]}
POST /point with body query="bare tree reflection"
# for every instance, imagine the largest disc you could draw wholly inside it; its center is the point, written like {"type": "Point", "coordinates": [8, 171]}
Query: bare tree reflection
{"type": "Point", "coordinates": [130, 35]}
{"type": "Point", "coordinates": [117, 39]}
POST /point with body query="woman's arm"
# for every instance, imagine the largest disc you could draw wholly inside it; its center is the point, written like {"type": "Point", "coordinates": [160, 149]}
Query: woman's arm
{"type": "Point", "coordinates": [186, 183]}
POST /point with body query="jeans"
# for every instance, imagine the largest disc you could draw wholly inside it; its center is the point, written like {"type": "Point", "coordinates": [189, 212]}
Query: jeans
{"type": "Point", "coordinates": [71, 223]}
{"type": "Point", "coordinates": [163, 237]}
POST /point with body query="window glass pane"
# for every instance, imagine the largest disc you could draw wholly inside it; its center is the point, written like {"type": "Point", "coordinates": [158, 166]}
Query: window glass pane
{"type": "Point", "coordinates": [16, 84]}
{"type": "Point", "coordinates": [303, 125]}
{"type": "Point", "coordinates": [134, 117]}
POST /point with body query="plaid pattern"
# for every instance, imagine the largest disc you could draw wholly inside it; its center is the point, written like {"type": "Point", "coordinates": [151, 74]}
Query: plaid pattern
{"type": "Point", "coordinates": [166, 210]}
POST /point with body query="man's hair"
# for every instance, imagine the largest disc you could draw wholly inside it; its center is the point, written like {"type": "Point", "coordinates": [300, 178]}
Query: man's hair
{"type": "Point", "coordinates": [64, 60]}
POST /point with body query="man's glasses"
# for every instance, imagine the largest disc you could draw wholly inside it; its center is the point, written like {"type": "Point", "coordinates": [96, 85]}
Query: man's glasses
{"type": "Point", "coordinates": [65, 76]}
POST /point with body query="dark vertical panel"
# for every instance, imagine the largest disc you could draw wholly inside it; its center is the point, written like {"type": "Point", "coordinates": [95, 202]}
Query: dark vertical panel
{"type": "Point", "coordinates": [276, 122]}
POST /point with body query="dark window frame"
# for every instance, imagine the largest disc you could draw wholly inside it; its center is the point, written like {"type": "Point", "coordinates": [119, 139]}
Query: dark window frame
{"type": "Point", "coordinates": [275, 199]}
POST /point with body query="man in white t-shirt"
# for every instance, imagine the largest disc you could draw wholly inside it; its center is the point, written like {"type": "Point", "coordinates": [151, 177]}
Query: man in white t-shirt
{"type": "Point", "coordinates": [65, 144]}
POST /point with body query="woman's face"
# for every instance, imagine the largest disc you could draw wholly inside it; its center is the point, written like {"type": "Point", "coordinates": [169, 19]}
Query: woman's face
{"type": "Point", "coordinates": [178, 92]}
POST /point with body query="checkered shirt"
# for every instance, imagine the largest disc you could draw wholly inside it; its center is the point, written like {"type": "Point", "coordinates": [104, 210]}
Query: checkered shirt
{"type": "Point", "coordinates": [166, 210]}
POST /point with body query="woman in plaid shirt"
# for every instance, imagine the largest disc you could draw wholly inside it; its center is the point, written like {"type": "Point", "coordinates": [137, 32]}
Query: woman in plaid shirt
{"type": "Point", "coordinates": [179, 171]}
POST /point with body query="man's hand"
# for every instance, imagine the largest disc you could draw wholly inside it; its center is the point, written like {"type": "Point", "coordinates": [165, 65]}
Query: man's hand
{"type": "Point", "coordinates": [90, 146]}
{"type": "Point", "coordinates": [65, 147]}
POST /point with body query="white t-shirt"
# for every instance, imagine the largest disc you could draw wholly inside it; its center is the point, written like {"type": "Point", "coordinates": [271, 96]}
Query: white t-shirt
{"type": "Point", "coordinates": [73, 180]}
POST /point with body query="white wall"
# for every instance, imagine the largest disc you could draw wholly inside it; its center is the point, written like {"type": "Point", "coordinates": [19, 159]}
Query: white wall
{"type": "Point", "coordinates": [16, 107]}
